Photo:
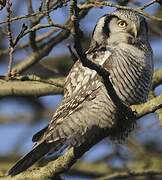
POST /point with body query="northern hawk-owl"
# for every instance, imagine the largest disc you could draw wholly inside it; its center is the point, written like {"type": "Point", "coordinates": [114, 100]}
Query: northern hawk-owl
{"type": "Point", "coordinates": [119, 44]}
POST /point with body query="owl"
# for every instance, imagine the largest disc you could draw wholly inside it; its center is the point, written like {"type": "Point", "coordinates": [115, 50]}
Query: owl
{"type": "Point", "coordinates": [87, 114]}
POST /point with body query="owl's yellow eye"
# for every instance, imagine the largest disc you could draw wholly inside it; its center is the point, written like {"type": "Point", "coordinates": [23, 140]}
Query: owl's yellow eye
{"type": "Point", "coordinates": [122, 23]}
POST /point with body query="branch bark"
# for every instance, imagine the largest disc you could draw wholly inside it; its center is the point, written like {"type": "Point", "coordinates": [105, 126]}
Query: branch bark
{"type": "Point", "coordinates": [31, 86]}
{"type": "Point", "coordinates": [131, 174]}
{"type": "Point", "coordinates": [110, 4]}
{"type": "Point", "coordinates": [157, 78]}
{"type": "Point", "coordinates": [35, 86]}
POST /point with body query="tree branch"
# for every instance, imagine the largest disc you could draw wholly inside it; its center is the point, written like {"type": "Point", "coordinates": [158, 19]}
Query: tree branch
{"type": "Point", "coordinates": [148, 107]}
{"type": "Point", "coordinates": [131, 174]}
{"type": "Point", "coordinates": [110, 4]}
{"type": "Point", "coordinates": [10, 37]}
{"type": "Point", "coordinates": [34, 86]}
{"type": "Point", "coordinates": [45, 48]}
{"type": "Point", "coordinates": [35, 14]}
{"type": "Point", "coordinates": [157, 78]}
{"type": "Point", "coordinates": [36, 56]}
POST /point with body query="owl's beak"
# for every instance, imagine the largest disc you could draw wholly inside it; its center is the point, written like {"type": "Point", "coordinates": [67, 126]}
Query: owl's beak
{"type": "Point", "coordinates": [135, 31]}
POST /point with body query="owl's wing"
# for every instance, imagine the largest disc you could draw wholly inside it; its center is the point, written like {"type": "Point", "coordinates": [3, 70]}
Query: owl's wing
{"type": "Point", "coordinates": [78, 76]}
{"type": "Point", "coordinates": [81, 84]}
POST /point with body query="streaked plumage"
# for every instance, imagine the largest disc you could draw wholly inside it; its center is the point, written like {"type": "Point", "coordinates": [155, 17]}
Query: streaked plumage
{"type": "Point", "coordinates": [120, 44]}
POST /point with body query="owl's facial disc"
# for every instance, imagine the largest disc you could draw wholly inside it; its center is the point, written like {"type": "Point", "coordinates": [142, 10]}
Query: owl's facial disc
{"type": "Point", "coordinates": [120, 27]}
{"type": "Point", "coordinates": [121, 30]}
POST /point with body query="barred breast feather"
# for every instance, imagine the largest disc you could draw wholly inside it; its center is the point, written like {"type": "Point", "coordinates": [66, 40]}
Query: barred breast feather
{"type": "Point", "coordinates": [131, 73]}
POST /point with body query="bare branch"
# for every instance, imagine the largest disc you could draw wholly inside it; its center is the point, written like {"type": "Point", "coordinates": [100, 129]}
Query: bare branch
{"type": "Point", "coordinates": [148, 107]}
{"type": "Point", "coordinates": [9, 32]}
{"type": "Point", "coordinates": [45, 48]}
{"type": "Point", "coordinates": [39, 38]}
{"type": "Point", "coordinates": [157, 78]}
{"type": "Point", "coordinates": [33, 22]}
{"type": "Point", "coordinates": [148, 4]}
{"type": "Point", "coordinates": [6, 89]}
{"type": "Point", "coordinates": [35, 14]}
{"type": "Point", "coordinates": [88, 6]}
{"type": "Point", "coordinates": [131, 174]}
{"type": "Point", "coordinates": [110, 4]}
{"type": "Point", "coordinates": [34, 86]}
{"type": "Point", "coordinates": [43, 51]}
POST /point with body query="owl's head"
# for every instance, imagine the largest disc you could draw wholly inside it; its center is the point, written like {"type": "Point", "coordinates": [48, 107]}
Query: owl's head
{"type": "Point", "coordinates": [120, 26]}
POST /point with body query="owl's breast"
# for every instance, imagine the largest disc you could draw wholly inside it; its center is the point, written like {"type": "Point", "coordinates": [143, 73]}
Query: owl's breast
{"type": "Point", "coordinates": [131, 75]}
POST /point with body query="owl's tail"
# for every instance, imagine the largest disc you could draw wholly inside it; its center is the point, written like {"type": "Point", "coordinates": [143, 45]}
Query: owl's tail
{"type": "Point", "coordinates": [29, 159]}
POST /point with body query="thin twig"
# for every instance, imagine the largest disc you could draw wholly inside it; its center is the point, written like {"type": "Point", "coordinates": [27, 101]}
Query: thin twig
{"type": "Point", "coordinates": [46, 47]}
{"type": "Point", "coordinates": [33, 22]}
{"type": "Point", "coordinates": [48, 13]}
{"type": "Point", "coordinates": [88, 6]}
{"type": "Point", "coordinates": [110, 4]}
{"type": "Point", "coordinates": [42, 26]}
{"type": "Point", "coordinates": [73, 55]}
{"type": "Point", "coordinates": [9, 32]}
{"type": "Point", "coordinates": [38, 13]}
{"type": "Point", "coordinates": [148, 4]}
{"type": "Point", "coordinates": [20, 35]}
{"type": "Point", "coordinates": [39, 38]}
